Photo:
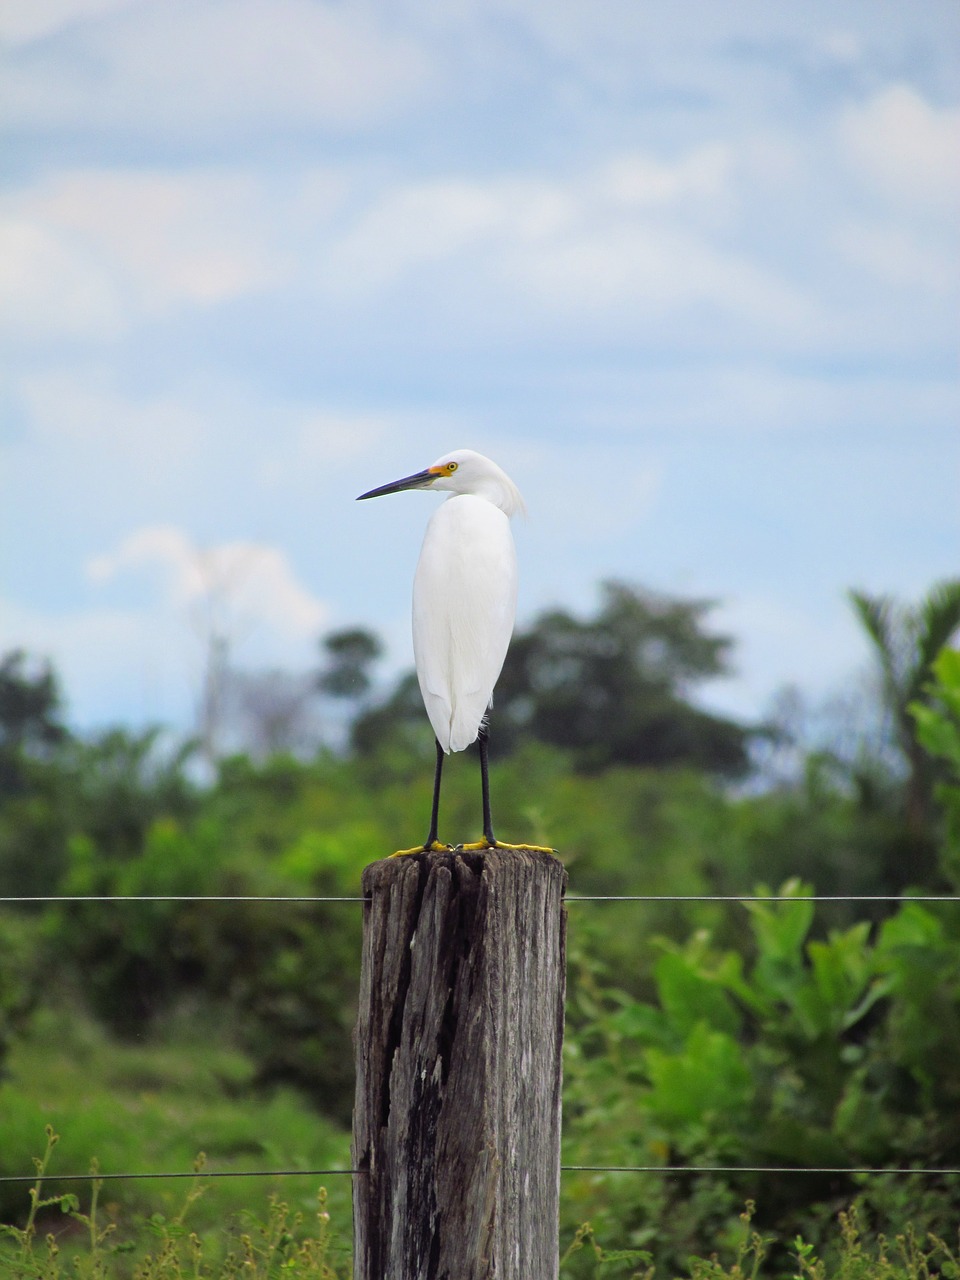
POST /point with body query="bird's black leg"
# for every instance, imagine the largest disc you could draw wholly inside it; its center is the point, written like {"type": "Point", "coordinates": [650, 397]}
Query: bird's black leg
{"type": "Point", "coordinates": [485, 787]}
{"type": "Point", "coordinates": [431, 839]}
{"type": "Point", "coordinates": [489, 839]}
{"type": "Point", "coordinates": [431, 844]}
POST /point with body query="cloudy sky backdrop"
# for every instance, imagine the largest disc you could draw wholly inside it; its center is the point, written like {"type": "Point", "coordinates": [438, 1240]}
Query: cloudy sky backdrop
{"type": "Point", "coordinates": [687, 270]}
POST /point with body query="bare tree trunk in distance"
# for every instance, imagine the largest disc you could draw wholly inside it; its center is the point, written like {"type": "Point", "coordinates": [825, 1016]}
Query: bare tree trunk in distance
{"type": "Point", "coordinates": [456, 1129]}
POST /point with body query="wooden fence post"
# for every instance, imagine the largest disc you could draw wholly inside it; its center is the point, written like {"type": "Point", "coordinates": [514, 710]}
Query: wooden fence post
{"type": "Point", "coordinates": [456, 1129]}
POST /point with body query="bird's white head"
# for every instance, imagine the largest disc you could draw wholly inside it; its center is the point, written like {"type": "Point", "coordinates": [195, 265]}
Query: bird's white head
{"type": "Point", "coordinates": [462, 471]}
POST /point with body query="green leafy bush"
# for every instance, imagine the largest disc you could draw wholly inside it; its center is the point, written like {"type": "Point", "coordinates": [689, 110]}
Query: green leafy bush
{"type": "Point", "coordinates": [794, 1051]}
{"type": "Point", "coordinates": [282, 975]}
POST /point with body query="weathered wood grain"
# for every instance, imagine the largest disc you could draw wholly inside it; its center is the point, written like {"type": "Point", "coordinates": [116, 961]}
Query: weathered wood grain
{"type": "Point", "coordinates": [457, 1116]}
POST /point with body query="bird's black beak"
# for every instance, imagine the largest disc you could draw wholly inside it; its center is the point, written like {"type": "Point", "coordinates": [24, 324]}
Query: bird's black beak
{"type": "Point", "coordinates": [422, 480]}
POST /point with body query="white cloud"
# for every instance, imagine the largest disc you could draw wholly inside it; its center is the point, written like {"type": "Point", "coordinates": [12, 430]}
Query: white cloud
{"type": "Point", "coordinates": [635, 180]}
{"type": "Point", "coordinates": [843, 45]}
{"type": "Point", "coordinates": [623, 238]}
{"type": "Point", "coordinates": [412, 225]}
{"type": "Point", "coordinates": [90, 253]}
{"type": "Point", "coordinates": [144, 661]}
{"type": "Point", "coordinates": [621, 244]}
{"type": "Point", "coordinates": [901, 256]}
{"type": "Point", "coordinates": [243, 591]}
{"type": "Point", "coordinates": [193, 70]}
{"type": "Point", "coordinates": [51, 289]}
{"type": "Point", "coordinates": [905, 145]}
{"type": "Point", "coordinates": [322, 442]}
{"type": "Point", "coordinates": [40, 19]}
{"type": "Point", "coordinates": [653, 270]}
{"type": "Point", "coordinates": [150, 240]}
{"type": "Point", "coordinates": [85, 431]}
{"type": "Point", "coordinates": [632, 232]}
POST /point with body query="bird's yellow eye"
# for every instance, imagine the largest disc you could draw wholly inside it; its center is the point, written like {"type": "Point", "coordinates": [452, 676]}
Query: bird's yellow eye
{"type": "Point", "coordinates": [452, 466]}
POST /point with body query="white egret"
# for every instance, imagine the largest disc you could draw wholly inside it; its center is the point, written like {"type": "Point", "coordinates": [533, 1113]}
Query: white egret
{"type": "Point", "coordinates": [464, 604]}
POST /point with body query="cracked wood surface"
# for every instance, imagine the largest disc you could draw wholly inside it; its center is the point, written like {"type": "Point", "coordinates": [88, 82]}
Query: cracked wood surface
{"type": "Point", "coordinates": [460, 1027]}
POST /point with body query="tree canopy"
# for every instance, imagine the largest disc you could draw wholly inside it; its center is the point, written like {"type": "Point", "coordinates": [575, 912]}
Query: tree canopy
{"type": "Point", "coordinates": [616, 688]}
{"type": "Point", "coordinates": [906, 640]}
{"type": "Point", "coordinates": [30, 715]}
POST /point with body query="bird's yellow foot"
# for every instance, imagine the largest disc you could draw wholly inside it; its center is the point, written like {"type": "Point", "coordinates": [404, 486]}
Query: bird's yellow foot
{"type": "Point", "coordinates": [480, 846]}
{"type": "Point", "coordinates": [436, 847]}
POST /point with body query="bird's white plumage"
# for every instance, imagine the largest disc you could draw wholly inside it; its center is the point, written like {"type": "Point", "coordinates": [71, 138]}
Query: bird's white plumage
{"type": "Point", "coordinates": [464, 605]}
{"type": "Point", "coordinates": [464, 592]}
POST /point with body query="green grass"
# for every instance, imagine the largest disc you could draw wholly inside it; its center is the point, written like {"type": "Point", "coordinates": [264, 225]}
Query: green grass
{"type": "Point", "coordinates": [750, 1258]}
{"type": "Point", "coordinates": [284, 1243]}
{"type": "Point", "coordinates": [165, 1248]}
{"type": "Point", "coordinates": [156, 1107]}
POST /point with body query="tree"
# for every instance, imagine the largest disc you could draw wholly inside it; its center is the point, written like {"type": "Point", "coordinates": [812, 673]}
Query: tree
{"type": "Point", "coordinates": [350, 655]}
{"type": "Point", "coordinates": [123, 782]}
{"type": "Point", "coordinates": [906, 640]}
{"type": "Point", "coordinates": [346, 677]}
{"type": "Point", "coordinates": [33, 824]}
{"type": "Point", "coordinates": [614, 688]}
{"type": "Point", "coordinates": [938, 728]}
{"type": "Point", "coordinates": [30, 724]}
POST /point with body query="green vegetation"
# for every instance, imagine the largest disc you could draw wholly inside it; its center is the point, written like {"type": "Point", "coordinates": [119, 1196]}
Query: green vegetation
{"type": "Point", "coordinates": [167, 1246]}
{"type": "Point", "coordinates": [699, 1034]}
{"type": "Point", "coordinates": [810, 1053]}
{"type": "Point", "coordinates": [283, 1241]}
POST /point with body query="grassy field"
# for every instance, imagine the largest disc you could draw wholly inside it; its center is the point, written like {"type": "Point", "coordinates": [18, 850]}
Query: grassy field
{"type": "Point", "coordinates": [156, 1108]}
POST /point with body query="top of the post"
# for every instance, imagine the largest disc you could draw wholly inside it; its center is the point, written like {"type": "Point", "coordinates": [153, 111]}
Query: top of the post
{"type": "Point", "coordinates": [489, 866]}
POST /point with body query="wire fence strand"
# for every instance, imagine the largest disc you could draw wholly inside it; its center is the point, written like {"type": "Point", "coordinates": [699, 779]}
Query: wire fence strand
{"type": "Point", "coordinates": [39, 899]}
{"type": "Point", "coordinates": [834, 1170]}
{"type": "Point", "coordinates": [175, 897]}
{"type": "Point", "coordinates": [762, 897]}
{"type": "Point", "coordinates": [761, 1168]}
{"type": "Point", "coordinates": [100, 1176]}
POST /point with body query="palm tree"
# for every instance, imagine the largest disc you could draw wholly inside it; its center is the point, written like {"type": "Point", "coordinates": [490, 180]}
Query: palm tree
{"type": "Point", "coordinates": [906, 640]}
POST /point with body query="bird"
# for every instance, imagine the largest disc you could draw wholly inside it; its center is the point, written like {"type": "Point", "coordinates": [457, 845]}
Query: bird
{"type": "Point", "coordinates": [464, 607]}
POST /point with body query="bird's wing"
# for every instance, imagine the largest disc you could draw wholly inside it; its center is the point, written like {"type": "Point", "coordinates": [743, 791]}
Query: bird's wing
{"type": "Point", "coordinates": [464, 604]}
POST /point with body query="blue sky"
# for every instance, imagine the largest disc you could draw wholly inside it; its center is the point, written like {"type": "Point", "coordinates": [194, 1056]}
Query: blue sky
{"type": "Point", "coordinates": [688, 271]}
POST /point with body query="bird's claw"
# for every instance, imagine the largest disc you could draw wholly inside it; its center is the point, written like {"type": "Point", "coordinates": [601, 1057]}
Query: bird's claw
{"type": "Point", "coordinates": [435, 846]}
{"type": "Point", "coordinates": [474, 846]}
{"type": "Point", "coordinates": [484, 846]}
